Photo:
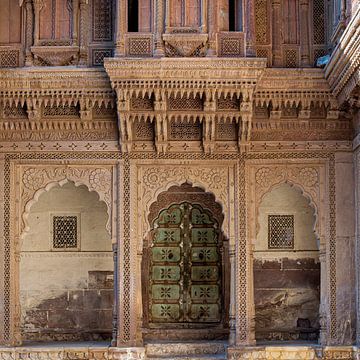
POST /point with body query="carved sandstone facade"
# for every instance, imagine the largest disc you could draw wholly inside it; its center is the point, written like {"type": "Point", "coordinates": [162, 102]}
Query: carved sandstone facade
{"type": "Point", "coordinates": [179, 170]}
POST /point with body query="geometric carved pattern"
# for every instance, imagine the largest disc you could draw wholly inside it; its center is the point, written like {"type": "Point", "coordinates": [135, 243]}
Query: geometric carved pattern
{"type": "Point", "coordinates": [231, 46]}
{"type": "Point", "coordinates": [185, 130]}
{"type": "Point", "coordinates": [98, 56]}
{"type": "Point", "coordinates": [144, 130]}
{"type": "Point", "coordinates": [291, 58]}
{"type": "Point", "coordinates": [139, 103]}
{"type": "Point", "coordinates": [65, 231]}
{"type": "Point", "coordinates": [139, 46]}
{"type": "Point", "coordinates": [228, 103]}
{"type": "Point", "coordinates": [183, 103]}
{"type": "Point", "coordinates": [319, 22]}
{"type": "Point", "coordinates": [261, 22]}
{"type": "Point", "coordinates": [60, 111]}
{"type": "Point", "coordinates": [281, 231]}
{"type": "Point", "coordinates": [102, 20]}
{"type": "Point", "coordinates": [9, 58]}
{"type": "Point", "coordinates": [226, 131]}
{"type": "Point", "coordinates": [14, 111]}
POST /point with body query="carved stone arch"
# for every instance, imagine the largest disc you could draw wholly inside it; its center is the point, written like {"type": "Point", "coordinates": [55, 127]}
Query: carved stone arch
{"type": "Point", "coordinates": [305, 178]}
{"type": "Point", "coordinates": [300, 189]}
{"type": "Point", "coordinates": [37, 180]}
{"type": "Point", "coordinates": [212, 179]}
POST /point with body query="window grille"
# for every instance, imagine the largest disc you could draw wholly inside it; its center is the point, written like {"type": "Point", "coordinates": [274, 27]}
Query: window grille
{"type": "Point", "coordinates": [281, 231]}
{"type": "Point", "coordinates": [65, 231]}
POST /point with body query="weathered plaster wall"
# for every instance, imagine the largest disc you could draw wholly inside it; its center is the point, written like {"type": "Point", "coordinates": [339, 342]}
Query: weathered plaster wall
{"type": "Point", "coordinates": [345, 247]}
{"type": "Point", "coordinates": [287, 282]}
{"type": "Point", "coordinates": [67, 294]}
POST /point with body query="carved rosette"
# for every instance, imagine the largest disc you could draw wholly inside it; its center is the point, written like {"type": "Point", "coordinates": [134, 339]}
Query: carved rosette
{"type": "Point", "coordinates": [36, 180]}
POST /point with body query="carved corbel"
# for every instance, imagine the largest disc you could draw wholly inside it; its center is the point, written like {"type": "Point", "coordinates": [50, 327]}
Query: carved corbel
{"type": "Point", "coordinates": [209, 133]}
{"type": "Point", "coordinates": [161, 131]}
{"type": "Point", "coordinates": [245, 125]}
{"type": "Point", "coordinates": [275, 112]}
{"type": "Point", "coordinates": [33, 109]}
{"type": "Point", "coordinates": [305, 112]}
{"type": "Point", "coordinates": [333, 112]}
{"type": "Point", "coordinates": [85, 109]}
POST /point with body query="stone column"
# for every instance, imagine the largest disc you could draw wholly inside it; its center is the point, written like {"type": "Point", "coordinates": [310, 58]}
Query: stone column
{"type": "Point", "coordinates": [250, 28]}
{"type": "Point", "coordinates": [75, 23]}
{"type": "Point", "coordinates": [232, 307]}
{"type": "Point", "coordinates": [345, 249]}
{"type": "Point", "coordinates": [29, 32]}
{"type": "Point", "coordinates": [276, 33]}
{"type": "Point", "coordinates": [121, 27]}
{"type": "Point", "coordinates": [304, 31]}
{"type": "Point", "coordinates": [204, 11]}
{"type": "Point", "coordinates": [324, 302]}
{"type": "Point", "coordinates": [83, 32]}
{"type": "Point", "coordinates": [167, 15]}
{"type": "Point", "coordinates": [212, 7]}
{"type": "Point", "coordinates": [159, 28]}
{"type": "Point", "coordinates": [37, 8]}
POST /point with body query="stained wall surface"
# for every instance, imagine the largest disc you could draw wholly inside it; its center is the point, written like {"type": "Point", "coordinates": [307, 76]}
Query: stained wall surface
{"type": "Point", "coordinates": [67, 294]}
{"type": "Point", "coordinates": [287, 281]}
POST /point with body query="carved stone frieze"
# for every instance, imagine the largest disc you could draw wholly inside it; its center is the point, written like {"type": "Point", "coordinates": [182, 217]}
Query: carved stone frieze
{"type": "Point", "coordinates": [39, 179]}
{"type": "Point", "coordinates": [55, 55]}
{"type": "Point", "coordinates": [185, 45]}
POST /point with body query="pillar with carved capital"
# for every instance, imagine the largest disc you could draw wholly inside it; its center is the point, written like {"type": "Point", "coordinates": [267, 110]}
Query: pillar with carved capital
{"type": "Point", "coordinates": [159, 28]}
{"type": "Point", "coordinates": [304, 31]}
{"type": "Point", "coordinates": [250, 28]}
{"type": "Point", "coordinates": [276, 33]}
{"type": "Point", "coordinates": [29, 32]}
{"type": "Point", "coordinates": [121, 27]}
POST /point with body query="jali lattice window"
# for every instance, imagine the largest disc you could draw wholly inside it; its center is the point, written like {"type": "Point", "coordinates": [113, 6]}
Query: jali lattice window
{"type": "Point", "coordinates": [65, 231]}
{"type": "Point", "coordinates": [281, 231]}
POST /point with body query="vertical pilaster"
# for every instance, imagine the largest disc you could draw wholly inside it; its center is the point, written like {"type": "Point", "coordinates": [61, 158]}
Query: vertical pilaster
{"type": "Point", "coordinates": [276, 32]}
{"type": "Point", "coordinates": [167, 15]}
{"type": "Point", "coordinates": [159, 28]}
{"type": "Point", "coordinates": [212, 7]}
{"type": "Point", "coordinates": [345, 249]}
{"type": "Point", "coordinates": [29, 13]}
{"type": "Point", "coordinates": [121, 27]}
{"type": "Point", "coordinates": [304, 34]}
{"type": "Point", "coordinates": [324, 301]}
{"type": "Point", "coordinates": [250, 28]}
{"type": "Point", "coordinates": [37, 8]}
{"type": "Point", "coordinates": [232, 307]}
{"type": "Point", "coordinates": [204, 12]}
{"type": "Point", "coordinates": [2, 252]}
{"type": "Point", "coordinates": [83, 32]}
{"type": "Point", "coordinates": [75, 22]}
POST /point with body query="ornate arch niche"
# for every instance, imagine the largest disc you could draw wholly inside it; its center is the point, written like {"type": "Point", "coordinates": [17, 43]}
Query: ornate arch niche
{"type": "Point", "coordinates": [198, 198]}
{"type": "Point", "coordinates": [309, 179]}
{"type": "Point", "coordinates": [32, 181]}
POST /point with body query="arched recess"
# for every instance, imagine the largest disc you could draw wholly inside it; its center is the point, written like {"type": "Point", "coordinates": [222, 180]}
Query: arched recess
{"type": "Point", "coordinates": [198, 307]}
{"type": "Point", "coordinates": [31, 182]}
{"type": "Point", "coordinates": [286, 267]}
{"type": "Point", "coordinates": [66, 268]}
{"type": "Point", "coordinates": [309, 178]}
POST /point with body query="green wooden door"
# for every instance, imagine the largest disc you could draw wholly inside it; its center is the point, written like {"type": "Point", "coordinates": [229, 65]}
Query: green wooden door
{"type": "Point", "coordinates": [185, 267]}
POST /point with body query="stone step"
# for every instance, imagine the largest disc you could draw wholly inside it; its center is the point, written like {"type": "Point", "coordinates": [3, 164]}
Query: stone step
{"type": "Point", "coordinates": [186, 350]}
{"type": "Point", "coordinates": [185, 357]}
